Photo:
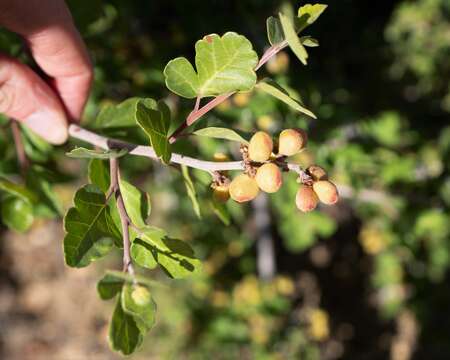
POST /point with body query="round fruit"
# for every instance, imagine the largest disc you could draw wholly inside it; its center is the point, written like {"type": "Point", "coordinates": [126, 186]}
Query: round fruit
{"type": "Point", "coordinates": [260, 147]}
{"type": "Point", "coordinates": [306, 199]}
{"type": "Point", "coordinates": [221, 193]}
{"type": "Point", "coordinates": [243, 188]}
{"type": "Point", "coordinates": [291, 141]}
{"type": "Point", "coordinates": [141, 296]}
{"type": "Point", "coordinates": [268, 177]}
{"type": "Point", "coordinates": [326, 192]}
{"type": "Point", "coordinates": [317, 173]}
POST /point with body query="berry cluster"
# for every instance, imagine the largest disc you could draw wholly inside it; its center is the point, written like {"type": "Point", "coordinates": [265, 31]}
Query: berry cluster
{"type": "Point", "coordinates": [263, 163]}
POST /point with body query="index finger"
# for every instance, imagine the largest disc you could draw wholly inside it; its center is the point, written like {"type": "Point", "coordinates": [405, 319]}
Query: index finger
{"type": "Point", "coordinates": [56, 46]}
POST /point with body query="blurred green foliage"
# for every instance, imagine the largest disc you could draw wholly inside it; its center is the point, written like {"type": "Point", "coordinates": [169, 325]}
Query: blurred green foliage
{"type": "Point", "coordinates": [379, 85]}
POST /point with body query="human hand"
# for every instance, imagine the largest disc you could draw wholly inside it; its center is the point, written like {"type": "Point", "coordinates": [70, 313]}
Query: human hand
{"type": "Point", "coordinates": [44, 105]}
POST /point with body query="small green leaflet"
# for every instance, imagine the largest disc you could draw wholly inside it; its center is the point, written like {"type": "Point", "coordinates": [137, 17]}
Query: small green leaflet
{"type": "Point", "coordinates": [190, 188]}
{"type": "Point", "coordinates": [174, 256]}
{"type": "Point", "coordinates": [90, 230]}
{"type": "Point", "coordinates": [275, 33]}
{"type": "Point", "coordinates": [120, 115]}
{"type": "Point", "coordinates": [274, 30]}
{"type": "Point", "coordinates": [220, 133]}
{"type": "Point", "coordinates": [83, 153]}
{"type": "Point", "coordinates": [137, 203]}
{"type": "Point", "coordinates": [272, 88]}
{"type": "Point", "coordinates": [309, 13]}
{"type": "Point", "coordinates": [224, 64]}
{"type": "Point", "coordinates": [292, 39]}
{"type": "Point", "coordinates": [137, 302]}
{"type": "Point", "coordinates": [17, 213]}
{"type": "Point", "coordinates": [124, 334]}
{"type": "Point", "coordinates": [309, 41]}
{"type": "Point", "coordinates": [155, 121]}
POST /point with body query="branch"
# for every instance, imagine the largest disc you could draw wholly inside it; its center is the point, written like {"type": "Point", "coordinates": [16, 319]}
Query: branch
{"type": "Point", "coordinates": [199, 112]}
{"type": "Point", "coordinates": [106, 143]}
{"type": "Point", "coordinates": [124, 219]}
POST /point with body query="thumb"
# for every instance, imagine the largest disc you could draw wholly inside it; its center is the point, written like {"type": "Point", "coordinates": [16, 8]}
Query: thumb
{"type": "Point", "coordinates": [24, 96]}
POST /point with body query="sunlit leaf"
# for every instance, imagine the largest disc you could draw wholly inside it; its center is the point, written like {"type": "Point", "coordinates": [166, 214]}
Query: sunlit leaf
{"type": "Point", "coordinates": [291, 37]}
{"type": "Point", "coordinates": [223, 64]}
{"type": "Point", "coordinates": [221, 133]}
{"type": "Point", "coordinates": [272, 88]}
{"type": "Point", "coordinates": [137, 203]}
{"type": "Point", "coordinates": [138, 302]}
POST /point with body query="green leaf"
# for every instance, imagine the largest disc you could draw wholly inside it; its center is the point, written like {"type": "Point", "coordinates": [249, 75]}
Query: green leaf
{"type": "Point", "coordinates": [143, 254]}
{"type": "Point", "coordinates": [309, 13]}
{"type": "Point", "coordinates": [17, 190]}
{"type": "Point", "coordinates": [90, 230]}
{"type": "Point", "coordinates": [120, 115]}
{"type": "Point", "coordinates": [109, 286]}
{"type": "Point", "coordinates": [221, 133]}
{"type": "Point", "coordinates": [309, 41]}
{"type": "Point", "coordinates": [272, 88]}
{"type": "Point", "coordinates": [83, 153]}
{"type": "Point", "coordinates": [137, 302]}
{"type": "Point", "coordinates": [124, 334]}
{"type": "Point", "coordinates": [155, 123]}
{"type": "Point", "coordinates": [224, 64]}
{"type": "Point", "coordinates": [17, 213]}
{"type": "Point", "coordinates": [181, 78]}
{"type": "Point", "coordinates": [190, 188]}
{"type": "Point", "coordinates": [292, 39]}
{"type": "Point", "coordinates": [137, 203]}
{"type": "Point", "coordinates": [98, 174]}
{"type": "Point", "coordinates": [275, 32]}
{"type": "Point", "coordinates": [175, 256]}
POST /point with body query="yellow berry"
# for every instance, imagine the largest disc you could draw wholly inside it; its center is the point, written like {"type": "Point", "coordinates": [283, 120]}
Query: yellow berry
{"type": "Point", "coordinates": [243, 188]}
{"type": "Point", "coordinates": [260, 147]}
{"type": "Point", "coordinates": [306, 199]}
{"type": "Point", "coordinates": [268, 177]}
{"type": "Point", "coordinates": [221, 193]}
{"type": "Point", "coordinates": [291, 141]}
{"type": "Point", "coordinates": [141, 296]}
{"type": "Point", "coordinates": [317, 173]}
{"type": "Point", "coordinates": [326, 192]}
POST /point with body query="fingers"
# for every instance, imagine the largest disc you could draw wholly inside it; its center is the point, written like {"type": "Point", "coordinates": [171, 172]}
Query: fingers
{"type": "Point", "coordinates": [26, 97]}
{"type": "Point", "coordinates": [56, 46]}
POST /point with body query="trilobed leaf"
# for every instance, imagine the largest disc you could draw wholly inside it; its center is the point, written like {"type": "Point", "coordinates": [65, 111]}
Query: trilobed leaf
{"type": "Point", "coordinates": [224, 64]}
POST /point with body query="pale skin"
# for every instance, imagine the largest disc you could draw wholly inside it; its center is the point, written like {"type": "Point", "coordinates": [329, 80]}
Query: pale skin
{"type": "Point", "coordinates": [47, 105]}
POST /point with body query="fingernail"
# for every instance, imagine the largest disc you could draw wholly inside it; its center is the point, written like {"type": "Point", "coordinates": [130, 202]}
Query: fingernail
{"type": "Point", "coordinates": [49, 125]}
